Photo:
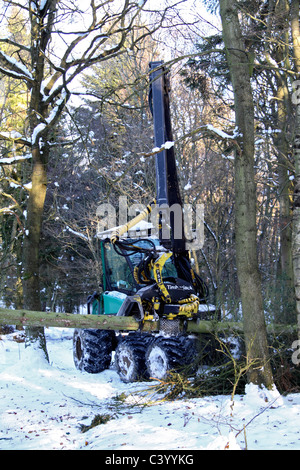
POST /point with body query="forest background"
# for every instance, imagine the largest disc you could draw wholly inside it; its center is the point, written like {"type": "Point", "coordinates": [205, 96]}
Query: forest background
{"type": "Point", "coordinates": [76, 132]}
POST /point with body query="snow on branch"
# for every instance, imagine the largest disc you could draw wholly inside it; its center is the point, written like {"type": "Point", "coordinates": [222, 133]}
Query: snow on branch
{"type": "Point", "coordinates": [220, 133]}
{"type": "Point", "coordinates": [13, 68]}
{"type": "Point", "coordinates": [206, 129]}
{"type": "Point", "coordinates": [11, 160]}
{"type": "Point", "coordinates": [77, 234]}
{"type": "Point", "coordinates": [56, 111]}
{"type": "Point", "coordinates": [37, 132]}
{"type": "Point", "coordinates": [51, 119]}
{"type": "Point", "coordinates": [14, 136]}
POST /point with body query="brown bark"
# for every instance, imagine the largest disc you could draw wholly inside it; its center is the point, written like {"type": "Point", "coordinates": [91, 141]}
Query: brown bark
{"type": "Point", "coordinates": [41, 28]}
{"type": "Point", "coordinates": [245, 200]}
{"type": "Point", "coordinates": [31, 260]}
{"type": "Point", "coordinates": [31, 288]}
{"type": "Point", "coordinates": [286, 276]}
{"type": "Point", "coordinates": [296, 147]}
{"type": "Point", "coordinates": [281, 54]}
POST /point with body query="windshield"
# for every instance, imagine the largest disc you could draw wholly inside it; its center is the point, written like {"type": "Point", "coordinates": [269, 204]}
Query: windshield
{"type": "Point", "coordinates": [119, 269]}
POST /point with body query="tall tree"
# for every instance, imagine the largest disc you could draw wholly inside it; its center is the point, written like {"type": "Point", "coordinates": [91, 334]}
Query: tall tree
{"type": "Point", "coordinates": [245, 199]}
{"type": "Point", "coordinates": [65, 39]}
{"type": "Point", "coordinates": [296, 100]}
{"type": "Point", "coordinates": [13, 103]}
{"type": "Point", "coordinates": [278, 50]}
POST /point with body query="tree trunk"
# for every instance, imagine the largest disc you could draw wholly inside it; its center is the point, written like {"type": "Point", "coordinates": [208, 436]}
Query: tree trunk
{"type": "Point", "coordinates": [35, 208]}
{"type": "Point", "coordinates": [245, 200]}
{"type": "Point", "coordinates": [31, 262]}
{"type": "Point", "coordinates": [296, 214]}
{"type": "Point", "coordinates": [285, 281]}
{"type": "Point", "coordinates": [41, 27]}
{"type": "Point", "coordinates": [296, 207]}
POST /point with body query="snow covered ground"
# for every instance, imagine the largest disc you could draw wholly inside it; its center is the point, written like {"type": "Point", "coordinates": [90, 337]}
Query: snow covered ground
{"type": "Point", "coordinates": [42, 407]}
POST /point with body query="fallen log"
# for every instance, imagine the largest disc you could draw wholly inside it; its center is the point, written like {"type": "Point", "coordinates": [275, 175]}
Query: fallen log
{"type": "Point", "coordinates": [113, 322]}
{"type": "Point", "coordinates": [68, 320]}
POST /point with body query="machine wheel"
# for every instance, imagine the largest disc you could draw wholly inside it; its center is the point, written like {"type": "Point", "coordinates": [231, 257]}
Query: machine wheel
{"type": "Point", "coordinates": [165, 354]}
{"type": "Point", "coordinates": [92, 349]}
{"type": "Point", "coordinates": [130, 357]}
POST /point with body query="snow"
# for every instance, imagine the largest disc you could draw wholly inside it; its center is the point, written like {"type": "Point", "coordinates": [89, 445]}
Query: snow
{"type": "Point", "coordinates": [43, 405]}
{"type": "Point", "coordinates": [11, 135]}
{"type": "Point", "coordinates": [159, 362]}
{"type": "Point", "coordinates": [13, 64]}
{"type": "Point", "coordinates": [36, 131]}
{"type": "Point", "coordinates": [56, 110]}
{"type": "Point", "coordinates": [167, 145]}
{"type": "Point", "coordinates": [219, 132]}
{"type": "Point", "coordinates": [78, 234]}
{"type": "Point", "coordinates": [11, 160]}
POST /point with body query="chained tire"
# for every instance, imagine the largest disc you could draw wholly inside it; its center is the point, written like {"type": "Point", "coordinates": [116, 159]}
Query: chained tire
{"type": "Point", "coordinates": [130, 357]}
{"type": "Point", "coordinates": [167, 354]}
{"type": "Point", "coordinates": [92, 349]}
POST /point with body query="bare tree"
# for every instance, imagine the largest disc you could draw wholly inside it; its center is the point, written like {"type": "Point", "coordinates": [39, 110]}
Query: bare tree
{"type": "Point", "coordinates": [65, 39]}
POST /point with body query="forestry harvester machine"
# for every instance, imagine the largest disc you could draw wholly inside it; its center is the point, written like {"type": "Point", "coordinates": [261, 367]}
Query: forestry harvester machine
{"type": "Point", "coordinates": [147, 278]}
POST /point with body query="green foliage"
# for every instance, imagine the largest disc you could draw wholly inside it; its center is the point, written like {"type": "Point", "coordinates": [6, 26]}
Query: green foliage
{"type": "Point", "coordinates": [210, 66]}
